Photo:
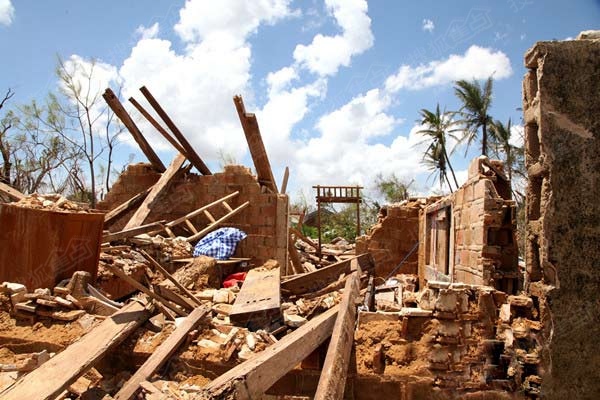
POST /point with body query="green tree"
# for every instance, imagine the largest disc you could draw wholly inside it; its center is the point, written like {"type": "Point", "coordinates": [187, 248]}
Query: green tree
{"type": "Point", "coordinates": [436, 161]}
{"type": "Point", "coordinates": [437, 126]}
{"type": "Point", "coordinates": [476, 102]}
{"type": "Point", "coordinates": [392, 188]}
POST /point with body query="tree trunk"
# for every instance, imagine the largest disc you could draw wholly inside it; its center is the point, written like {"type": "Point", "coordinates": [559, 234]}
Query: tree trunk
{"type": "Point", "coordinates": [484, 140]}
{"type": "Point", "coordinates": [451, 169]}
{"type": "Point", "coordinates": [448, 181]}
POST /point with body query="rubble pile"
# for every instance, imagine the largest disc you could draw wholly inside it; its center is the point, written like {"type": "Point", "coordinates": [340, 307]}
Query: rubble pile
{"type": "Point", "coordinates": [52, 202]}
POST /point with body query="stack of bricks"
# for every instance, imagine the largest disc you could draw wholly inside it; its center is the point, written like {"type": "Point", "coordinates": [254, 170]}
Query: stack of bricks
{"type": "Point", "coordinates": [393, 237]}
{"type": "Point", "coordinates": [481, 338]}
{"type": "Point", "coordinates": [264, 220]}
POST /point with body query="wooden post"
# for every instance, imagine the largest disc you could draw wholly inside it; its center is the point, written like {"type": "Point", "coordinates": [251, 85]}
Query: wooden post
{"type": "Point", "coordinates": [256, 145]}
{"type": "Point", "coordinates": [189, 150]}
{"type": "Point", "coordinates": [286, 176]}
{"type": "Point", "coordinates": [161, 354]}
{"type": "Point", "coordinates": [115, 105]}
{"type": "Point", "coordinates": [56, 374]}
{"type": "Point", "coordinates": [142, 212]}
{"type": "Point", "coordinates": [335, 370]}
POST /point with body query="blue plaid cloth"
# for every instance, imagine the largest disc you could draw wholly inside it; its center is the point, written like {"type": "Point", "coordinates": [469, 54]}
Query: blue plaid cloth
{"type": "Point", "coordinates": [219, 244]}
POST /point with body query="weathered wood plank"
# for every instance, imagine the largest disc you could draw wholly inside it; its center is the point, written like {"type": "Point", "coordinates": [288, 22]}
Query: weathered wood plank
{"type": "Point", "coordinates": [161, 354]}
{"type": "Point", "coordinates": [214, 225]}
{"type": "Point", "coordinates": [54, 376]}
{"type": "Point", "coordinates": [256, 145]}
{"type": "Point", "coordinates": [335, 369]}
{"type": "Point", "coordinates": [259, 297]}
{"type": "Point", "coordinates": [115, 105]}
{"type": "Point", "coordinates": [158, 127]}
{"type": "Point", "coordinates": [320, 278]}
{"type": "Point", "coordinates": [11, 192]}
{"type": "Point", "coordinates": [127, 233]}
{"type": "Point", "coordinates": [189, 150]}
{"type": "Point", "coordinates": [125, 206]}
{"type": "Point", "coordinates": [297, 267]}
{"type": "Point", "coordinates": [253, 377]}
{"type": "Point", "coordinates": [142, 212]}
{"type": "Point", "coordinates": [286, 176]}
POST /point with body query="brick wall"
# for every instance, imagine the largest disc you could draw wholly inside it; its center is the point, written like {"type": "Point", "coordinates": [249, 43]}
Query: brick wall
{"type": "Point", "coordinates": [264, 220]}
{"type": "Point", "coordinates": [481, 246]}
{"type": "Point", "coordinates": [561, 107]}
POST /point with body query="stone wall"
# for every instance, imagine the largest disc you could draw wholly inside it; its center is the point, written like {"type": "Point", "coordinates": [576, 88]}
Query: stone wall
{"type": "Point", "coordinates": [264, 220]}
{"type": "Point", "coordinates": [393, 238]}
{"type": "Point", "coordinates": [475, 227]}
{"type": "Point", "coordinates": [561, 102]}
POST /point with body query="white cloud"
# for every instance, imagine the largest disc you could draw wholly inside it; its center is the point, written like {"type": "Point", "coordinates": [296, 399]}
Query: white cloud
{"type": "Point", "coordinates": [517, 135]}
{"type": "Point", "coordinates": [326, 54]}
{"type": "Point", "coordinates": [428, 25]}
{"type": "Point", "coordinates": [281, 79]}
{"type": "Point", "coordinates": [7, 12]}
{"type": "Point", "coordinates": [476, 63]}
{"type": "Point", "coordinates": [147, 33]}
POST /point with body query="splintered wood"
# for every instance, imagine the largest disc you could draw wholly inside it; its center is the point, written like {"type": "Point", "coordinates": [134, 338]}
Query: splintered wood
{"type": "Point", "coordinates": [259, 298]}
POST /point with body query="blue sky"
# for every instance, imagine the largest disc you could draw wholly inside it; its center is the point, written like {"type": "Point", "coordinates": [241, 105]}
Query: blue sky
{"type": "Point", "coordinates": [336, 85]}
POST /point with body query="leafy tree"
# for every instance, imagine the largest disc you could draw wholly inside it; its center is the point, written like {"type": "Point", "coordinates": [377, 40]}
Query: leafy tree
{"type": "Point", "coordinates": [476, 102]}
{"type": "Point", "coordinates": [436, 161]}
{"type": "Point", "coordinates": [392, 188]}
{"type": "Point", "coordinates": [437, 126]}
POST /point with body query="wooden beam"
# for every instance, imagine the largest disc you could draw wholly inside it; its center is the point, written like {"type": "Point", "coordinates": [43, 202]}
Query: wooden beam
{"type": "Point", "coordinates": [189, 150]}
{"type": "Point", "coordinates": [255, 376]}
{"type": "Point", "coordinates": [56, 374]}
{"type": "Point", "coordinates": [144, 209]}
{"type": "Point", "coordinates": [170, 277]}
{"type": "Point", "coordinates": [259, 297]}
{"type": "Point", "coordinates": [256, 145]}
{"type": "Point", "coordinates": [11, 192]}
{"type": "Point", "coordinates": [161, 354]}
{"type": "Point", "coordinates": [306, 240]}
{"type": "Point", "coordinates": [201, 210]}
{"type": "Point", "coordinates": [294, 257]}
{"type": "Point", "coordinates": [320, 278]}
{"type": "Point", "coordinates": [158, 127]}
{"type": "Point", "coordinates": [117, 271]}
{"type": "Point", "coordinates": [127, 233]}
{"type": "Point", "coordinates": [215, 224]}
{"type": "Point", "coordinates": [115, 105]}
{"type": "Point", "coordinates": [335, 369]}
{"type": "Point", "coordinates": [286, 176]}
{"type": "Point", "coordinates": [123, 207]}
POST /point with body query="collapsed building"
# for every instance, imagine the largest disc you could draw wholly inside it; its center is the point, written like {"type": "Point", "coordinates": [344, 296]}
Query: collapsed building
{"type": "Point", "coordinates": [431, 303]}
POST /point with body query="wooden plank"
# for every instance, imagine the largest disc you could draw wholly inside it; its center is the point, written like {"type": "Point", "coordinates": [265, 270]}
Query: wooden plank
{"type": "Point", "coordinates": [335, 369]}
{"type": "Point", "coordinates": [158, 127]}
{"type": "Point", "coordinates": [56, 374]}
{"type": "Point", "coordinates": [253, 377]}
{"type": "Point", "coordinates": [144, 289]}
{"type": "Point", "coordinates": [320, 278]}
{"type": "Point", "coordinates": [115, 105]}
{"type": "Point", "coordinates": [256, 145]}
{"type": "Point", "coordinates": [127, 233]}
{"type": "Point", "coordinates": [123, 207]}
{"type": "Point", "coordinates": [161, 354]}
{"type": "Point", "coordinates": [286, 176]}
{"type": "Point", "coordinates": [294, 257]}
{"type": "Point", "coordinates": [170, 277]}
{"type": "Point", "coordinates": [260, 296]}
{"type": "Point", "coordinates": [215, 224]}
{"type": "Point", "coordinates": [142, 212]}
{"type": "Point", "coordinates": [306, 240]}
{"type": "Point", "coordinates": [189, 150]}
{"type": "Point", "coordinates": [201, 210]}
{"type": "Point", "coordinates": [11, 192]}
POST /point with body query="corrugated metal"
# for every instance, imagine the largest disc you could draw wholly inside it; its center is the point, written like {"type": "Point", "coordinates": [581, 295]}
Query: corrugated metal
{"type": "Point", "coordinates": [39, 248]}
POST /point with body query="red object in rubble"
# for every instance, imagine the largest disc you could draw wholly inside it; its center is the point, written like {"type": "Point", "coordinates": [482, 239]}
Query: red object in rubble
{"type": "Point", "coordinates": [233, 279]}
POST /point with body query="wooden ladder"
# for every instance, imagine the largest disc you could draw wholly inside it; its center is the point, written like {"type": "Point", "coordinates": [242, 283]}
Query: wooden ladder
{"type": "Point", "coordinates": [197, 234]}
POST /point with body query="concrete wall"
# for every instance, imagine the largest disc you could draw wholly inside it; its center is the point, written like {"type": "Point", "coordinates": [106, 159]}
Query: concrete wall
{"type": "Point", "coordinates": [264, 220]}
{"type": "Point", "coordinates": [561, 99]}
{"type": "Point", "coordinates": [480, 242]}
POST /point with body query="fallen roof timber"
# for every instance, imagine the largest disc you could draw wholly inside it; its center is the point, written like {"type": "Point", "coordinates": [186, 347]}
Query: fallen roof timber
{"type": "Point", "coordinates": [259, 298]}
{"type": "Point", "coordinates": [11, 192]}
{"type": "Point", "coordinates": [144, 209]}
{"type": "Point", "coordinates": [54, 376]}
{"type": "Point", "coordinates": [320, 278]}
{"type": "Point", "coordinates": [255, 376]}
{"type": "Point", "coordinates": [115, 105]}
{"type": "Point", "coordinates": [127, 233]}
{"type": "Point", "coordinates": [125, 206]}
{"type": "Point", "coordinates": [161, 354]}
{"type": "Point", "coordinates": [335, 369]}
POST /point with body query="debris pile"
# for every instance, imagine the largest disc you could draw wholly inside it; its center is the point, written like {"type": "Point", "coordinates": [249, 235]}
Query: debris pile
{"type": "Point", "coordinates": [51, 202]}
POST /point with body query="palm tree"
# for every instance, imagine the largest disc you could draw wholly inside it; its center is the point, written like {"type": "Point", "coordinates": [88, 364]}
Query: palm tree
{"type": "Point", "coordinates": [476, 102]}
{"type": "Point", "coordinates": [437, 126]}
{"type": "Point", "coordinates": [435, 159]}
{"type": "Point", "coordinates": [501, 135]}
